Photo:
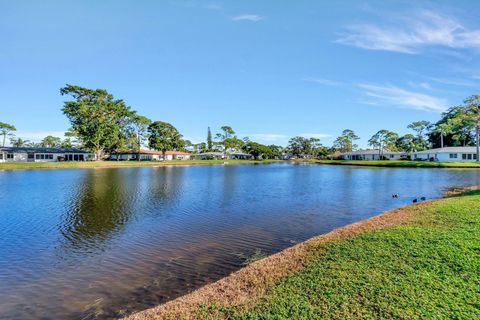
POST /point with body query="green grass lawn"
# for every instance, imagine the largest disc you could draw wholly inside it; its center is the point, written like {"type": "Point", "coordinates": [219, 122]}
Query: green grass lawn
{"type": "Point", "coordinates": [114, 164]}
{"type": "Point", "coordinates": [426, 268]}
{"type": "Point", "coordinates": [401, 163]}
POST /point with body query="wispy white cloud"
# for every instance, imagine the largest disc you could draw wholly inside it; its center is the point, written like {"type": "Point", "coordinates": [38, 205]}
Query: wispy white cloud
{"type": "Point", "coordinates": [322, 81]}
{"type": "Point", "coordinates": [410, 35]}
{"type": "Point", "coordinates": [316, 135]}
{"type": "Point", "coordinates": [398, 97]}
{"type": "Point", "coordinates": [247, 17]}
{"type": "Point", "coordinates": [421, 85]}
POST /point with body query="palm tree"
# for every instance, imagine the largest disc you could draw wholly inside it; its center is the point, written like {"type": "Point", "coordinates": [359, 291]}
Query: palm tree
{"type": "Point", "coordinates": [6, 129]}
{"type": "Point", "coordinates": [443, 129]}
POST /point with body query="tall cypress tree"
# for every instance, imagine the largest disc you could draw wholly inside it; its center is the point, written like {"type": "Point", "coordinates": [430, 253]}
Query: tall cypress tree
{"type": "Point", "coordinates": [209, 140]}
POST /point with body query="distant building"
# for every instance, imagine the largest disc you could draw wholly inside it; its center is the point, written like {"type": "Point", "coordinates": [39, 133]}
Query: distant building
{"type": "Point", "coordinates": [240, 156]}
{"type": "Point", "coordinates": [220, 156]}
{"type": "Point", "coordinates": [210, 156]}
{"type": "Point", "coordinates": [12, 154]}
{"type": "Point", "coordinates": [447, 154]}
{"type": "Point", "coordinates": [150, 155]}
{"type": "Point", "coordinates": [373, 154]}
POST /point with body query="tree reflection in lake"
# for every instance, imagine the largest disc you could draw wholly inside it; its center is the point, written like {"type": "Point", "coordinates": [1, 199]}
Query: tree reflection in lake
{"type": "Point", "coordinates": [99, 243]}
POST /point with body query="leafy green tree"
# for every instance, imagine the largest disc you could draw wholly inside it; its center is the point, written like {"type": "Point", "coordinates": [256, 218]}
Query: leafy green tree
{"type": "Point", "coordinates": [32, 144]}
{"type": "Point", "coordinates": [345, 142]}
{"type": "Point", "coordinates": [187, 144]}
{"type": "Point", "coordinates": [383, 139]}
{"type": "Point", "coordinates": [421, 128]}
{"type": "Point", "coordinates": [261, 151]}
{"type": "Point", "coordinates": [140, 124]}
{"type": "Point", "coordinates": [200, 147]}
{"type": "Point", "coordinates": [227, 139]}
{"type": "Point", "coordinates": [138, 133]}
{"type": "Point", "coordinates": [51, 142]}
{"type": "Point", "coordinates": [459, 128]}
{"type": "Point", "coordinates": [67, 143]}
{"type": "Point", "coordinates": [101, 123]}
{"type": "Point", "coordinates": [304, 147]}
{"type": "Point", "coordinates": [276, 151]}
{"type": "Point", "coordinates": [296, 146]}
{"type": "Point", "coordinates": [407, 143]}
{"type": "Point", "coordinates": [313, 147]}
{"type": "Point", "coordinates": [164, 137]}
{"type": "Point", "coordinates": [472, 114]}
{"type": "Point", "coordinates": [18, 142]}
{"type": "Point", "coordinates": [443, 129]}
{"type": "Point", "coordinates": [5, 130]}
{"type": "Point", "coordinates": [209, 140]}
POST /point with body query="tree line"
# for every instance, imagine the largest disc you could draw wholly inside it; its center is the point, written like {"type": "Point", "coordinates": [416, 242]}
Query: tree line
{"type": "Point", "coordinates": [104, 125]}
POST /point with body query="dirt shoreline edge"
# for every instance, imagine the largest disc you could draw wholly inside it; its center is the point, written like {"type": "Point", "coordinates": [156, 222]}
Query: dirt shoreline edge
{"type": "Point", "coordinates": [250, 283]}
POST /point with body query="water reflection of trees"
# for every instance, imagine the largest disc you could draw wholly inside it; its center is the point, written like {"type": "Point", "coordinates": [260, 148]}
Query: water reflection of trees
{"type": "Point", "coordinates": [107, 200]}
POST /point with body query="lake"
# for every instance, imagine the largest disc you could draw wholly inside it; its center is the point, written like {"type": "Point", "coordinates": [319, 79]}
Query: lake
{"type": "Point", "coordinates": [102, 243]}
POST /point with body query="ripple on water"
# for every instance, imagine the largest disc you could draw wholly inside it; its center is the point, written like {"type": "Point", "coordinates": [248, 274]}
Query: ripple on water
{"type": "Point", "coordinates": [103, 243]}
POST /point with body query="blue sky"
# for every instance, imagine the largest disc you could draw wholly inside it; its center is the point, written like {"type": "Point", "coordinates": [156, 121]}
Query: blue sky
{"type": "Point", "coordinates": [269, 69]}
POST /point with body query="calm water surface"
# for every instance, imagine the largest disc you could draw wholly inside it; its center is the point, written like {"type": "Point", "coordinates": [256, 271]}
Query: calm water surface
{"type": "Point", "coordinates": [102, 243]}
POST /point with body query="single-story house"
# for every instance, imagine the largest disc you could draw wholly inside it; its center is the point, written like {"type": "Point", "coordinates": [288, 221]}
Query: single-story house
{"type": "Point", "coordinates": [150, 155]}
{"type": "Point", "coordinates": [210, 156]}
{"type": "Point", "coordinates": [373, 154]}
{"type": "Point", "coordinates": [240, 156]}
{"type": "Point", "coordinates": [13, 154]}
{"type": "Point", "coordinates": [220, 156]}
{"type": "Point", "coordinates": [447, 154]}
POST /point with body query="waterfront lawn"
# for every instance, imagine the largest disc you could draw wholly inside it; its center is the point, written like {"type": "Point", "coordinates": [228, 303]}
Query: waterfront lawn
{"type": "Point", "coordinates": [401, 163]}
{"type": "Point", "coordinates": [426, 268]}
{"type": "Point", "coordinates": [115, 164]}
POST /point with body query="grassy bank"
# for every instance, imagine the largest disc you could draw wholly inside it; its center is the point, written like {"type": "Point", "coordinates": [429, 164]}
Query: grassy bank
{"type": "Point", "coordinates": [418, 262]}
{"type": "Point", "coordinates": [116, 164]}
{"type": "Point", "coordinates": [401, 163]}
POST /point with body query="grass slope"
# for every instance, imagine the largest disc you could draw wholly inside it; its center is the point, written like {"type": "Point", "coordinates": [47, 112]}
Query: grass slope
{"type": "Point", "coordinates": [401, 163]}
{"type": "Point", "coordinates": [426, 268]}
{"type": "Point", "coordinates": [115, 164]}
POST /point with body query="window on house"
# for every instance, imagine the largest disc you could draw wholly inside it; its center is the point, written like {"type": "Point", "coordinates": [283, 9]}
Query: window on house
{"type": "Point", "coordinates": [474, 156]}
{"type": "Point", "coordinates": [469, 156]}
{"type": "Point", "coordinates": [464, 156]}
{"type": "Point", "coordinates": [1, 156]}
{"type": "Point", "coordinates": [453, 155]}
{"type": "Point", "coordinates": [9, 155]}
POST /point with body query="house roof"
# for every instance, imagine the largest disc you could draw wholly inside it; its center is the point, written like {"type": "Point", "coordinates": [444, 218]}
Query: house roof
{"type": "Point", "coordinates": [370, 151]}
{"type": "Point", "coordinates": [210, 154]}
{"type": "Point", "coordinates": [448, 150]}
{"type": "Point", "coordinates": [41, 150]}
{"type": "Point", "coordinates": [239, 154]}
{"type": "Point", "coordinates": [155, 152]}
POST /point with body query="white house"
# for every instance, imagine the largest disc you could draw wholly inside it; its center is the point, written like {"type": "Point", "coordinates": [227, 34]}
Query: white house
{"type": "Point", "coordinates": [13, 154]}
{"type": "Point", "coordinates": [220, 156]}
{"type": "Point", "coordinates": [372, 154]}
{"type": "Point", "coordinates": [447, 154]}
{"type": "Point", "coordinates": [210, 156]}
{"type": "Point", "coordinates": [240, 156]}
{"type": "Point", "coordinates": [150, 155]}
